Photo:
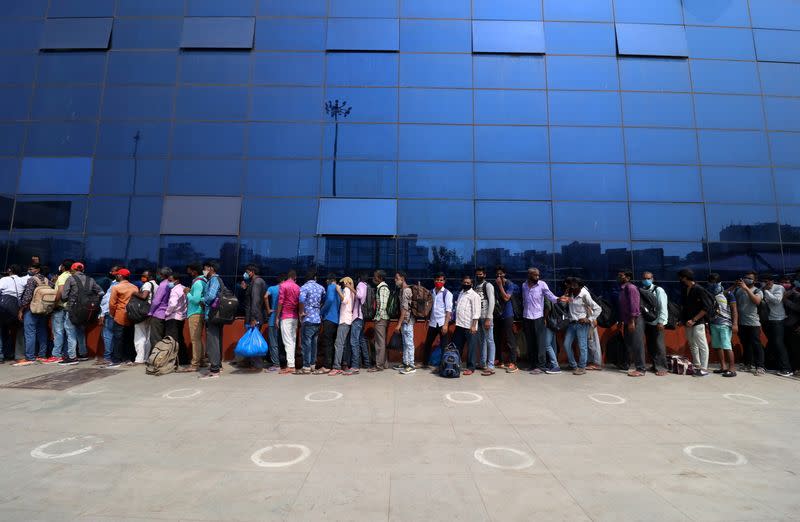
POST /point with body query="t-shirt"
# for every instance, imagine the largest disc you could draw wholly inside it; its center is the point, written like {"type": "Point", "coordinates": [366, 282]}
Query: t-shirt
{"type": "Point", "coordinates": [61, 280]}
{"type": "Point", "coordinates": [748, 310]}
{"type": "Point", "coordinates": [346, 308]}
{"type": "Point", "coordinates": [405, 304]}
{"type": "Point", "coordinates": [508, 306]}
{"type": "Point", "coordinates": [724, 301]}
{"type": "Point", "coordinates": [272, 292]}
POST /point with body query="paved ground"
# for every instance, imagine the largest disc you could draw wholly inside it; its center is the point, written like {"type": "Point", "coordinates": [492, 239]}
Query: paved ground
{"type": "Point", "coordinates": [395, 448]}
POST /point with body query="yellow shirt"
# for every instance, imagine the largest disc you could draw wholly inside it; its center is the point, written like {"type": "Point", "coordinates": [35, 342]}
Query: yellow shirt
{"type": "Point", "coordinates": [62, 279]}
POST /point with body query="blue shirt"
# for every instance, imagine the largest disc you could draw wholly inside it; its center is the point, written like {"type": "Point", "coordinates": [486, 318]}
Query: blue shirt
{"type": "Point", "coordinates": [272, 292]}
{"type": "Point", "coordinates": [311, 297]}
{"type": "Point", "coordinates": [330, 310]}
{"type": "Point", "coordinates": [211, 293]}
{"type": "Point", "coordinates": [508, 307]}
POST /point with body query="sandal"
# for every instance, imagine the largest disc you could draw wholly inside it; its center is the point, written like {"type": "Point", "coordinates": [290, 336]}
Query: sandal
{"type": "Point", "coordinates": [286, 371]}
{"type": "Point", "coordinates": [372, 370]}
{"type": "Point", "coordinates": [487, 371]}
{"type": "Point", "coordinates": [334, 372]}
{"type": "Point", "coordinates": [321, 371]}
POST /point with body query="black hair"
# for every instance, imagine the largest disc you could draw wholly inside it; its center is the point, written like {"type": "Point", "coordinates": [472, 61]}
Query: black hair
{"type": "Point", "coordinates": [380, 274]}
{"type": "Point", "coordinates": [500, 268]}
{"type": "Point", "coordinates": [311, 274]}
{"type": "Point", "coordinates": [767, 277]}
{"type": "Point", "coordinates": [687, 273]}
{"type": "Point", "coordinates": [15, 269]}
{"type": "Point", "coordinates": [67, 264]}
{"type": "Point", "coordinates": [211, 264]}
{"type": "Point", "coordinates": [36, 266]}
{"type": "Point", "coordinates": [195, 267]}
{"type": "Point", "coordinates": [401, 274]}
{"type": "Point", "coordinates": [627, 272]}
{"type": "Point", "coordinates": [252, 268]}
{"type": "Point", "coordinates": [330, 277]}
{"type": "Point", "coordinates": [437, 275]}
{"type": "Point", "coordinates": [291, 274]}
{"type": "Point", "coordinates": [713, 277]}
{"type": "Point", "coordinates": [481, 269]}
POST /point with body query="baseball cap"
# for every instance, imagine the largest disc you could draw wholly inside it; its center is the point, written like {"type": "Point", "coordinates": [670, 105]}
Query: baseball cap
{"type": "Point", "coordinates": [124, 272]}
{"type": "Point", "coordinates": [77, 266]}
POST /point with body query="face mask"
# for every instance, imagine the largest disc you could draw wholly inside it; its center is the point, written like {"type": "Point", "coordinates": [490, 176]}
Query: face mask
{"type": "Point", "coordinates": [480, 278]}
{"type": "Point", "coordinates": [466, 287]}
{"type": "Point", "coordinates": [31, 273]}
{"type": "Point", "coordinates": [439, 285]}
{"type": "Point", "coordinates": [205, 273]}
{"type": "Point", "coordinates": [246, 276]}
{"type": "Point", "coordinates": [786, 286]}
{"type": "Point", "coordinates": [171, 285]}
{"type": "Point", "coordinates": [716, 288]}
{"type": "Point", "coordinates": [748, 281]}
{"type": "Point", "coordinates": [647, 283]}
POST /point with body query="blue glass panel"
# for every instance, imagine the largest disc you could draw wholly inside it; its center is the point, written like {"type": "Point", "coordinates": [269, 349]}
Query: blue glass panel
{"type": "Point", "coordinates": [516, 256]}
{"type": "Point", "coordinates": [513, 219]}
{"type": "Point", "coordinates": [116, 176]}
{"type": "Point", "coordinates": [584, 11]}
{"type": "Point", "coordinates": [293, 8]}
{"type": "Point", "coordinates": [785, 148]}
{"type": "Point", "coordinates": [359, 34]}
{"type": "Point", "coordinates": [658, 109]}
{"type": "Point", "coordinates": [742, 223]}
{"type": "Point", "coordinates": [661, 146]}
{"type": "Point", "coordinates": [725, 77]}
{"type": "Point", "coordinates": [369, 105]}
{"type": "Point", "coordinates": [586, 145]}
{"type": "Point", "coordinates": [77, 33]}
{"type": "Point", "coordinates": [777, 46]}
{"type": "Point", "coordinates": [88, 8]}
{"type": "Point", "coordinates": [733, 148]}
{"type": "Point", "coordinates": [362, 217]}
{"type": "Point", "coordinates": [200, 215]}
{"type": "Point", "coordinates": [723, 43]}
{"type": "Point", "coordinates": [76, 67]}
{"type": "Point", "coordinates": [218, 33]}
{"type": "Point", "coordinates": [666, 259]}
{"type": "Point", "coordinates": [45, 245]}
{"type": "Point", "coordinates": [783, 113]}
{"type": "Point", "coordinates": [364, 8]}
{"type": "Point", "coordinates": [506, 10]}
{"type": "Point", "coordinates": [775, 14]}
{"type": "Point", "coordinates": [288, 68]}
{"type": "Point", "coordinates": [420, 258]}
{"type": "Point", "coordinates": [737, 185]}
{"type": "Point", "coordinates": [69, 139]}
{"type": "Point", "coordinates": [11, 139]}
{"type": "Point", "coordinates": [284, 140]}
{"type": "Point", "coordinates": [716, 12]}
{"type": "Point", "coordinates": [435, 70]}
{"type": "Point", "coordinates": [117, 139]}
{"type": "Point", "coordinates": [290, 34]}
{"type": "Point", "coordinates": [510, 107]}
{"type": "Point", "coordinates": [362, 69]}
{"type": "Point", "coordinates": [435, 106]}
{"type": "Point", "coordinates": [589, 182]}
{"type": "Point", "coordinates": [36, 8]}
{"type": "Point", "coordinates": [107, 214]}
{"type": "Point", "coordinates": [731, 260]}
{"type": "Point", "coordinates": [362, 141]}
{"type": "Point", "coordinates": [101, 253]}
{"type": "Point", "coordinates": [265, 178]}
{"type": "Point", "coordinates": [435, 142]}
{"type": "Point", "coordinates": [154, 33]}
{"type": "Point", "coordinates": [134, 103]}
{"type": "Point", "coordinates": [653, 74]}
{"type": "Point", "coordinates": [53, 213]}
{"type": "Point", "coordinates": [435, 218]}
{"type": "Point", "coordinates": [66, 103]}
{"type": "Point", "coordinates": [507, 37]}
{"type": "Point", "coordinates": [205, 177]}
{"type": "Point", "coordinates": [660, 183]}
{"type": "Point", "coordinates": [668, 221]}
{"type": "Point", "coordinates": [584, 108]}
{"type": "Point", "coordinates": [9, 171]}
{"type": "Point", "coordinates": [150, 8]}
{"type": "Point", "coordinates": [577, 38]}
{"type": "Point", "coordinates": [651, 40]}
{"type": "Point", "coordinates": [179, 251]}
{"type": "Point", "coordinates": [649, 11]}
{"type": "Point", "coordinates": [211, 103]}
{"type": "Point", "coordinates": [142, 67]}
{"type": "Point", "coordinates": [216, 8]}
{"type": "Point", "coordinates": [443, 36]}
{"type": "Point", "coordinates": [425, 180]}
{"type": "Point", "coordinates": [14, 103]}
{"type": "Point", "coordinates": [286, 104]}
{"type": "Point", "coordinates": [279, 217]}
{"type": "Point", "coordinates": [17, 68]}
{"type": "Point", "coordinates": [496, 143]}
{"type": "Point", "coordinates": [278, 256]}
{"type": "Point", "coordinates": [509, 72]}
{"type": "Point", "coordinates": [578, 72]}
{"type": "Point", "coordinates": [208, 140]}
{"type": "Point", "coordinates": [787, 182]}
{"type": "Point", "coordinates": [440, 9]}
{"type": "Point", "coordinates": [780, 79]}
{"type": "Point", "coordinates": [728, 112]}
{"type": "Point", "coordinates": [45, 176]}
{"type": "Point", "coordinates": [591, 220]}
{"type": "Point", "coordinates": [215, 67]}
{"type": "Point", "coordinates": [20, 34]}
{"type": "Point", "coordinates": [790, 224]}
{"type": "Point", "coordinates": [512, 181]}
{"type": "Point", "coordinates": [360, 179]}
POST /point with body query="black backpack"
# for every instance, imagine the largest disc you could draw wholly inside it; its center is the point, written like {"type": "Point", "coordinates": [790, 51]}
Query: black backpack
{"type": "Point", "coordinates": [137, 309]}
{"type": "Point", "coordinates": [224, 307]}
{"type": "Point", "coordinates": [450, 367]}
{"type": "Point", "coordinates": [9, 306]}
{"type": "Point", "coordinates": [86, 305]}
{"type": "Point", "coordinates": [648, 305]}
{"type": "Point", "coordinates": [673, 315]}
{"type": "Point", "coordinates": [393, 304]}
{"type": "Point", "coordinates": [558, 316]}
{"type": "Point", "coordinates": [606, 317]}
{"type": "Point", "coordinates": [616, 352]}
{"type": "Point", "coordinates": [370, 305]}
{"type": "Point", "coordinates": [710, 304]}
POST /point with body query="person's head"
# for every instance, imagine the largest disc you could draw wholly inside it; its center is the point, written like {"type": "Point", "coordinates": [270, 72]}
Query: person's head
{"type": "Point", "coordinates": [573, 285]}
{"type": "Point", "coordinates": [346, 281]}
{"type": "Point", "coordinates": [379, 276]}
{"type": "Point", "coordinates": [500, 271]}
{"type": "Point", "coordinates": [173, 280]}
{"type": "Point", "coordinates": [400, 278]}
{"type": "Point", "coordinates": [786, 282]}
{"type": "Point", "coordinates": [35, 260]}
{"type": "Point", "coordinates": [363, 277]}
{"type": "Point", "coordinates": [250, 272]}
{"type": "Point", "coordinates": [624, 275]}
{"type": "Point", "coordinates": [311, 274]}
{"type": "Point", "coordinates": [113, 271]}
{"type": "Point", "coordinates": [533, 275]}
{"type": "Point", "coordinates": [767, 278]}
{"type": "Point", "coordinates": [438, 280]}
{"type": "Point", "coordinates": [210, 268]}
{"type": "Point", "coordinates": [714, 282]}
{"type": "Point", "coordinates": [193, 269]}
{"type": "Point", "coordinates": [291, 274]}
{"type": "Point", "coordinates": [45, 270]}
{"type": "Point", "coordinates": [77, 267]}
{"type": "Point", "coordinates": [282, 277]}
{"type": "Point", "coordinates": [66, 265]}
{"type": "Point", "coordinates": [147, 275]}
{"type": "Point", "coordinates": [480, 274]}
{"type": "Point", "coordinates": [686, 277]}
{"type": "Point", "coordinates": [330, 278]}
{"type": "Point", "coordinates": [163, 273]}
{"type": "Point", "coordinates": [647, 279]}
{"type": "Point", "coordinates": [750, 278]}
{"type": "Point", "coordinates": [34, 269]}
{"type": "Point", "coordinates": [466, 283]}
{"type": "Point", "coordinates": [122, 274]}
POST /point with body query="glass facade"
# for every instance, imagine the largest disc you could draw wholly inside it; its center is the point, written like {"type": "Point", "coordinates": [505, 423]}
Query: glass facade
{"type": "Point", "coordinates": [579, 136]}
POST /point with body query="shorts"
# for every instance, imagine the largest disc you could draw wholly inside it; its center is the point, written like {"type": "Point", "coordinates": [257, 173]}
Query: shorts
{"type": "Point", "coordinates": [721, 337]}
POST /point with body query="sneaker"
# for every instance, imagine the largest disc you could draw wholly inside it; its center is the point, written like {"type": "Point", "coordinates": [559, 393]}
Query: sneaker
{"type": "Point", "coordinates": [512, 368]}
{"type": "Point", "coordinates": [111, 366]}
{"type": "Point", "coordinates": [579, 371]}
{"type": "Point", "coordinates": [407, 370]}
{"type": "Point", "coordinates": [536, 371]}
{"type": "Point", "coordinates": [210, 375]}
{"type": "Point", "coordinates": [555, 370]}
{"type": "Point", "coordinates": [352, 371]}
{"type": "Point", "coordinates": [83, 358]}
{"type": "Point", "coordinates": [729, 373]}
{"type": "Point", "coordinates": [68, 362]}
{"type": "Point", "coordinates": [720, 370]}
{"type": "Point", "coordinates": [23, 362]}
{"type": "Point", "coordinates": [399, 367]}
{"type": "Point", "coordinates": [784, 374]}
{"type": "Point", "coordinates": [52, 360]}
{"type": "Point", "coordinates": [760, 371]}
{"type": "Point", "coordinates": [701, 373]}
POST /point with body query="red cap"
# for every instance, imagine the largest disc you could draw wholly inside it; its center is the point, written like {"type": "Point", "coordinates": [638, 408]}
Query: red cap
{"type": "Point", "coordinates": [77, 266]}
{"type": "Point", "coordinates": [124, 272]}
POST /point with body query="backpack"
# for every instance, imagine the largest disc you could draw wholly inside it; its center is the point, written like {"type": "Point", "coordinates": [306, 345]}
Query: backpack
{"type": "Point", "coordinates": [44, 299]}
{"type": "Point", "coordinates": [137, 309]}
{"type": "Point", "coordinates": [648, 305]}
{"type": "Point", "coordinates": [393, 304]}
{"type": "Point", "coordinates": [370, 305]}
{"type": "Point", "coordinates": [421, 301]}
{"type": "Point", "coordinates": [606, 317]}
{"type": "Point", "coordinates": [224, 307]}
{"type": "Point", "coordinates": [516, 305]}
{"type": "Point", "coordinates": [617, 352]}
{"type": "Point", "coordinates": [680, 365]}
{"type": "Point", "coordinates": [86, 305]}
{"type": "Point", "coordinates": [450, 367]}
{"type": "Point", "coordinates": [710, 304]}
{"type": "Point", "coordinates": [763, 311]}
{"type": "Point", "coordinates": [673, 315]}
{"type": "Point", "coordinates": [9, 305]}
{"type": "Point", "coordinates": [558, 316]}
{"type": "Point", "coordinates": [163, 357]}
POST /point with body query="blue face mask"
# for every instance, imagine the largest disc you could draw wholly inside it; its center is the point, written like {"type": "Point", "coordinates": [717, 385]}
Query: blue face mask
{"type": "Point", "coordinates": [796, 283]}
{"type": "Point", "coordinates": [246, 276]}
{"type": "Point", "coordinates": [171, 285]}
{"type": "Point", "coordinates": [716, 288]}
{"type": "Point", "coordinates": [647, 283]}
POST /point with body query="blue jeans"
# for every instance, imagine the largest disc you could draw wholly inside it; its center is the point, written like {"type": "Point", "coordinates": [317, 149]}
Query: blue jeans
{"type": "Point", "coordinates": [59, 334]}
{"type": "Point", "coordinates": [486, 338]}
{"type": "Point", "coordinates": [309, 335]}
{"type": "Point", "coordinates": [76, 338]}
{"type": "Point", "coordinates": [407, 331]}
{"type": "Point", "coordinates": [358, 345]}
{"type": "Point", "coordinates": [581, 331]}
{"type": "Point", "coordinates": [274, 340]}
{"type": "Point", "coordinates": [35, 330]}
{"type": "Point", "coordinates": [108, 337]}
{"type": "Point", "coordinates": [549, 341]}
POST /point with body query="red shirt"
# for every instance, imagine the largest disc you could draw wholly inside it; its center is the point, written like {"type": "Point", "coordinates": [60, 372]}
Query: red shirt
{"type": "Point", "coordinates": [289, 299]}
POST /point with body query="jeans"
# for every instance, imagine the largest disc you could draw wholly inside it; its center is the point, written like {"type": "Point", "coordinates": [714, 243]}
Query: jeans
{"type": "Point", "coordinates": [511, 339]}
{"type": "Point", "coordinates": [123, 342]}
{"type": "Point", "coordinates": [35, 330]}
{"type": "Point", "coordinates": [775, 336]}
{"type": "Point", "coordinates": [214, 346]}
{"type": "Point", "coordinates": [549, 348]}
{"type": "Point", "coordinates": [358, 345]}
{"type": "Point", "coordinates": [698, 345]}
{"type": "Point", "coordinates": [462, 336]}
{"type": "Point", "coordinates": [380, 343]}
{"type": "Point", "coordinates": [656, 346]}
{"type": "Point", "coordinates": [108, 337]}
{"type": "Point", "coordinates": [595, 352]}
{"type": "Point", "coordinates": [407, 331]}
{"type": "Point", "coordinates": [581, 331]}
{"type": "Point", "coordinates": [274, 340]}
{"type": "Point", "coordinates": [76, 338]}
{"type": "Point", "coordinates": [309, 335]}
{"type": "Point", "coordinates": [59, 333]}
{"type": "Point", "coordinates": [341, 340]}
{"type": "Point", "coordinates": [634, 344]}
{"type": "Point", "coordinates": [535, 333]}
{"type": "Point", "coordinates": [289, 335]}
{"type": "Point", "coordinates": [486, 340]}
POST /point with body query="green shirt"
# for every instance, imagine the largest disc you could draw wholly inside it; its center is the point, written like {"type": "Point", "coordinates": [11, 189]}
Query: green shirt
{"type": "Point", "coordinates": [195, 297]}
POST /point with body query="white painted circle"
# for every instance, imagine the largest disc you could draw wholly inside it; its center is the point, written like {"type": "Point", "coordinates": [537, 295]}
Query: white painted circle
{"type": "Point", "coordinates": [86, 393]}
{"type": "Point", "coordinates": [39, 452]}
{"type": "Point", "coordinates": [525, 462]}
{"type": "Point", "coordinates": [180, 393]}
{"type": "Point", "coordinates": [258, 461]}
{"type": "Point", "coordinates": [740, 459]}
{"type": "Point", "coordinates": [743, 398]}
{"type": "Point", "coordinates": [615, 399]}
{"type": "Point", "coordinates": [475, 397]}
{"type": "Point", "coordinates": [334, 396]}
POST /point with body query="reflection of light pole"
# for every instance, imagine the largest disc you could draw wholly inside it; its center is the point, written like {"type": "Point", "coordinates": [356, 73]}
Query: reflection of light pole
{"type": "Point", "coordinates": [136, 138]}
{"type": "Point", "coordinates": [335, 110]}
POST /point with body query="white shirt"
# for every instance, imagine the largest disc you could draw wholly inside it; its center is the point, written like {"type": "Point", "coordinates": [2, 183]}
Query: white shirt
{"type": "Point", "coordinates": [442, 303]}
{"type": "Point", "coordinates": [468, 308]}
{"type": "Point", "coordinates": [12, 285]}
{"type": "Point", "coordinates": [581, 304]}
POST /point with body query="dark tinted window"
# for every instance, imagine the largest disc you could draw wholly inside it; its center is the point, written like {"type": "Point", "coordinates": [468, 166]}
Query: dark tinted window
{"type": "Point", "coordinates": [591, 260]}
{"type": "Point", "coordinates": [666, 259]}
{"type": "Point", "coordinates": [55, 213]}
{"type": "Point", "coordinates": [55, 176]}
{"type": "Point", "coordinates": [108, 214]}
{"type": "Point", "coordinates": [731, 260]}
{"type": "Point", "coordinates": [435, 218]}
{"type": "Point", "coordinates": [218, 33]}
{"type": "Point", "coordinates": [201, 215]}
{"type": "Point", "coordinates": [276, 256]}
{"type": "Point", "coordinates": [516, 256]}
{"type": "Point", "coordinates": [77, 33]}
{"type": "Point", "coordinates": [518, 219]}
{"type": "Point", "coordinates": [420, 258]}
{"type": "Point", "coordinates": [179, 251]}
{"type": "Point", "coordinates": [742, 223]}
{"type": "Point", "coordinates": [280, 217]}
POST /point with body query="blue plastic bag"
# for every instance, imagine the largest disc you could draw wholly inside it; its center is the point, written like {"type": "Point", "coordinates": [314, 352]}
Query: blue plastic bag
{"type": "Point", "coordinates": [252, 344]}
{"type": "Point", "coordinates": [436, 357]}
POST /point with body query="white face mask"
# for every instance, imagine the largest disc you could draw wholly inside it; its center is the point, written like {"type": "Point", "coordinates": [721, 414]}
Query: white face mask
{"type": "Point", "coordinates": [205, 273]}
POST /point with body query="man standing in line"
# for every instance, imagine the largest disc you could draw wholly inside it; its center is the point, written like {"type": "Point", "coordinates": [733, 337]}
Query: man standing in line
{"type": "Point", "coordinates": [195, 316]}
{"type": "Point", "coordinates": [534, 293]}
{"type": "Point", "coordinates": [76, 334]}
{"type": "Point", "coordinates": [723, 326]}
{"type": "Point", "coordinates": [654, 331]}
{"type": "Point", "coordinates": [748, 297]}
{"type": "Point", "coordinates": [381, 320]}
{"type": "Point", "coordinates": [346, 297]}
{"type": "Point", "coordinates": [158, 311]}
{"type": "Point", "coordinates": [311, 297]}
{"type": "Point", "coordinates": [213, 331]}
{"type": "Point", "coordinates": [141, 330]}
{"type": "Point", "coordinates": [773, 295]}
{"type": "Point", "coordinates": [288, 314]}
{"type": "Point", "coordinates": [358, 342]}
{"type": "Point", "coordinates": [506, 290]}
{"type": "Point", "coordinates": [121, 294]}
{"type": "Point", "coordinates": [330, 325]}
{"type": "Point", "coordinates": [694, 315]}
{"type": "Point", "coordinates": [274, 327]}
{"type": "Point", "coordinates": [254, 291]}
{"type": "Point", "coordinates": [467, 314]}
{"type": "Point", "coordinates": [631, 322]}
{"type": "Point", "coordinates": [60, 314]}
{"type": "Point", "coordinates": [439, 321]}
{"type": "Point", "coordinates": [34, 325]}
{"type": "Point", "coordinates": [106, 320]}
{"type": "Point", "coordinates": [406, 322]}
{"type": "Point", "coordinates": [485, 291]}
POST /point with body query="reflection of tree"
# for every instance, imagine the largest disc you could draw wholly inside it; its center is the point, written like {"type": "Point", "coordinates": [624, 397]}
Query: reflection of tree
{"type": "Point", "coordinates": [442, 259]}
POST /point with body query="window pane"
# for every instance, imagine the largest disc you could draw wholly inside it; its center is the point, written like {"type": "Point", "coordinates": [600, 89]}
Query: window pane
{"type": "Point", "coordinates": [576, 38]}
{"type": "Point", "coordinates": [217, 33]}
{"type": "Point", "coordinates": [661, 146]}
{"type": "Point", "coordinates": [360, 179]}
{"type": "Point", "coordinates": [21, 34]}
{"type": "Point", "coordinates": [507, 37]}
{"type": "Point", "coordinates": [364, 217]}
{"type": "Point", "coordinates": [731, 260]}
{"type": "Point", "coordinates": [279, 217]}
{"type": "Point", "coordinates": [589, 182]}
{"type": "Point", "coordinates": [212, 103]}
{"type": "Point", "coordinates": [742, 223]}
{"type": "Point", "coordinates": [14, 102]}
{"type": "Point", "coordinates": [422, 180]}
{"type": "Point", "coordinates": [579, 72]}
{"type": "Point", "coordinates": [369, 105]}
{"type": "Point", "coordinates": [717, 42]}
{"type": "Point", "coordinates": [150, 8]}
{"type": "Point", "coordinates": [135, 103]}
{"type": "Point", "coordinates": [11, 138]}
{"type": "Point", "coordinates": [364, 8]}
{"type": "Point", "coordinates": [290, 34]}
{"type": "Point", "coordinates": [509, 72]}
{"type": "Point", "coordinates": [420, 258]}
{"type": "Point", "coordinates": [436, 142]}
{"type": "Point", "coordinates": [668, 221]}
{"type": "Point", "coordinates": [51, 249]}
{"type": "Point", "coordinates": [142, 67]}
{"type": "Point", "coordinates": [363, 142]}
{"type": "Point", "coordinates": [77, 33]}
{"type": "Point", "coordinates": [510, 107]}
{"type": "Point", "coordinates": [584, 108]}
{"type": "Point", "coordinates": [586, 145]}
{"type": "Point", "coordinates": [786, 181]}
{"type": "Point", "coordinates": [496, 143]}
{"type": "Point", "coordinates": [6, 211]}
{"type": "Point", "coordinates": [179, 251]}
{"type": "Point", "coordinates": [276, 256]}
{"type": "Point", "coordinates": [131, 33]}
{"type": "Point", "coordinates": [443, 36]}
{"type": "Point", "coordinates": [667, 183]}
{"type": "Point", "coordinates": [649, 11]}
{"type": "Point", "coordinates": [146, 215]}
{"type": "Point", "coordinates": [17, 69]}
{"type": "Point", "coordinates": [513, 219]}
{"type": "Point", "coordinates": [208, 140]}
{"type": "Point", "coordinates": [440, 9]}
{"type": "Point", "coordinates": [584, 11]}
{"type": "Point", "coordinates": [653, 74]}
{"type": "Point", "coordinates": [202, 177]}
{"type": "Point", "coordinates": [780, 79]}
{"type": "Point", "coordinates": [293, 8]}
{"type": "Point", "coordinates": [516, 256]}
{"type": "Point", "coordinates": [785, 147]}
{"type": "Point", "coordinates": [362, 69]}
{"type": "Point", "coordinates": [117, 139]}
{"type": "Point", "coordinates": [592, 260]}
{"type": "Point", "coordinates": [435, 218]}
{"type": "Point", "coordinates": [67, 9]}
{"type": "Point", "coordinates": [46, 176]}
{"type": "Point", "coordinates": [658, 109]}
{"type": "Point", "coordinates": [729, 112]}
{"type": "Point", "coordinates": [68, 139]}
{"type": "Point", "coordinates": [651, 40]}
{"type": "Point", "coordinates": [117, 176]}
{"type": "Point", "coordinates": [790, 224]}
{"type": "Point", "coordinates": [727, 12]}
{"type": "Point", "coordinates": [288, 68]}
{"type": "Point", "coordinates": [354, 34]}
{"type": "Point", "coordinates": [512, 181]}
{"type": "Point", "coordinates": [9, 172]}
{"type": "Point", "coordinates": [776, 14]}
{"type": "Point", "coordinates": [733, 148]}
{"type": "Point", "coordinates": [201, 215]}
{"type": "Point", "coordinates": [73, 67]}
{"type": "Point", "coordinates": [506, 10]}
{"type": "Point", "coordinates": [350, 255]}
{"type": "Point", "coordinates": [215, 67]}
{"type": "Point", "coordinates": [66, 103]}
{"type": "Point", "coordinates": [435, 106]}
{"type": "Point", "coordinates": [284, 140]}
{"type": "Point", "coordinates": [215, 8]}
{"type": "Point", "coordinates": [265, 178]}
{"type": "Point", "coordinates": [433, 70]}
{"type": "Point", "coordinates": [725, 77]}
{"type": "Point", "coordinates": [591, 220]}
{"type": "Point", "coordinates": [666, 259]}
{"type": "Point", "coordinates": [51, 213]}
{"type": "Point", "coordinates": [738, 185]}
{"type": "Point", "coordinates": [36, 8]}
{"type": "Point", "coordinates": [108, 214]}
{"type": "Point", "coordinates": [783, 113]}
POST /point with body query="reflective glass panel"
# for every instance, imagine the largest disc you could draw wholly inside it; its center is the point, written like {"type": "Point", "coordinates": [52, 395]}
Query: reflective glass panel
{"type": "Point", "coordinates": [63, 34]}
{"type": "Point", "coordinates": [512, 181]}
{"type": "Point", "coordinates": [733, 148]}
{"type": "Point", "coordinates": [284, 140]}
{"type": "Point", "coordinates": [355, 179]}
{"type": "Point", "coordinates": [227, 8]}
{"type": "Point", "coordinates": [363, 142]}
{"type": "Point", "coordinates": [651, 40]}
{"type": "Point", "coordinates": [144, 33]}
{"type": "Point", "coordinates": [584, 11]}
{"type": "Point", "coordinates": [785, 148]}
{"type": "Point", "coordinates": [725, 77]}
{"type": "Point", "coordinates": [72, 67]}
{"type": "Point", "coordinates": [507, 37]}
{"type": "Point", "coordinates": [215, 67]}
{"type": "Point", "coordinates": [265, 178]}
{"type": "Point", "coordinates": [360, 34]}
{"type": "Point", "coordinates": [119, 176]}
{"type": "Point", "coordinates": [589, 182]}
{"type": "Point", "coordinates": [435, 106]}
{"type": "Point", "coordinates": [440, 9]}
{"type": "Point", "coordinates": [731, 260]}
{"type": "Point", "coordinates": [742, 223]}
{"type": "Point", "coordinates": [363, 217]}
{"type": "Point", "coordinates": [776, 14]}
{"type": "Point", "coordinates": [653, 74]}
{"type": "Point", "coordinates": [649, 11]}
{"type": "Point", "coordinates": [586, 145]}
{"type": "Point", "coordinates": [202, 177]}
{"type": "Point", "coordinates": [142, 67]}
{"type": "Point", "coordinates": [276, 256]}
{"type": "Point", "coordinates": [286, 104]}
{"type": "Point", "coordinates": [288, 68]}
{"type": "Point", "coordinates": [658, 109]}
{"type": "Point", "coordinates": [436, 142]}
{"type": "Point", "coordinates": [580, 72]}
{"type": "Point", "coordinates": [664, 183]}
{"type": "Point", "coordinates": [787, 182]}
{"type": "Point", "coordinates": [435, 70]}
{"type": "Point", "coordinates": [200, 215]}
{"type": "Point", "coordinates": [179, 251]}
{"type": "Point", "coordinates": [135, 103]}
{"type": "Point", "coordinates": [506, 143]}
{"type": "Point", "coordinates": [584, 108]}
{"type": "Point", "coordinates": [664, 260]}
{"type": "Point", "coordinates": [728, 112]}
{"type": "Point", "coordinates": [211, 103]}
{"type": "Point", "coordinates": [506, 10]}
{"type": "Point", "coordinates": [364, 8]}
{"type": "Point", "coordinates": [54, 213]}
{"type": "Point", "coordinates": [661, 146]}
{"type": "Point", "coordinates": [509, 72]}
{"type": "Point", "coordinates": [780, 79]}
{"type": "Point", "coordinates": [108, 215]}
{"type": "Point", "coordinates": [577, 38]}
{"type": "Point", "coordinates": [738, 185]}
{"type": "Point", "coordinates": [667, 222]}
{"type": "Point", "coordinates": [435, 218]}
{"type": "Point", "coordinates": [591, 260]}
{"type": "Point", "coordinates": [362, 69]}
{"type": "Point", "coordinates": [443, 36]}
{"type": "Point", "coordinates": [290, 34]}
{"type": "Point", "coordinates": [513, 219]}
{"type": "Point", "coordinates": [716, 12]}
{"type": "Point", "coordinates": [45, 176]}
{"type": "Point", "coordinates": [281, 217]}
{"type": "Point", "coordinates": [783, 113]}
{"type": "Point", "coordinates": [516, 256]}
{"type": "Point", "coordinates": [420, 258]}
{"type": "Point", "coordinates": [591, 220]}
{"type": "Point", "coordinates": [435, 179]}
{"type": "Point", "coordinates": [217, 33]}
{"type": "Point", "coordinates": [717, 42]}
{"type": "Point", "coordinates": [510, 107]}
{"type": "Point", "coordinates": [208, 140]}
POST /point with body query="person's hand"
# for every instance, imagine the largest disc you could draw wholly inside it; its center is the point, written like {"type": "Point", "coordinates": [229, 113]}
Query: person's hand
{"type": "Point", "coordinates": [19, 315]}
{"type": "Point", "coordinates": [444, 330]}
{"type": "Point", "coordinates": [101, 319]}
{"type": "Point", "coordinates": [499, 281]}
{"type": "Point", "coordinates": [186, 290]}
{"type": "Point", "coordinates": [583, 320]}
{"type": "Point", "coordinates": [631, 327]}
{"type": "Point", "coordinates": [253, 323]}
{"type": "Point", "coordinates": [660, 327]}
{"type": "Point", "coordinates": [768, 286]}
{"type": "Point", "coordinates": [473, 329]}
{"type": "Point", "coordinates": [487, 324]}
{"type": "Point", "coordinates": [741, 284]}
{"type": "Point", "coordinates": [736, 329]}
{"type": "Point", "coordinates": [689, 323]}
